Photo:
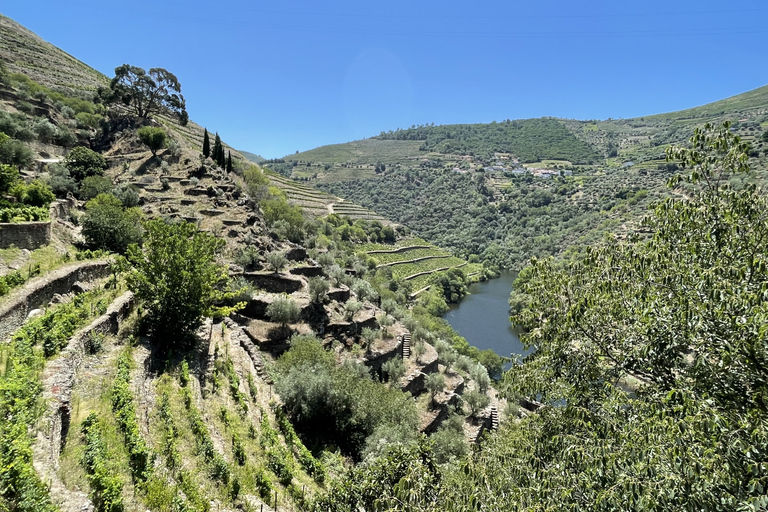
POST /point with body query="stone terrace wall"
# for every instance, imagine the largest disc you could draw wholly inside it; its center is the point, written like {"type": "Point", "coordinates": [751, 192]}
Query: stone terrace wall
{"type": "Point", "coordinates": [41, 290]}
{"type": "Point", "coordinates": [25, 235]}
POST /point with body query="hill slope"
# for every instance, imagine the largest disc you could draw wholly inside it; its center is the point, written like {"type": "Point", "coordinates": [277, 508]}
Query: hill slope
{"type": "Point", "coordinates": [511, 190]}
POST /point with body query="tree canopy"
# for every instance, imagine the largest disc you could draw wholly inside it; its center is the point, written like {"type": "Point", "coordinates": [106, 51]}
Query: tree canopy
{"type": "Point", "coordinates": [147, 92]}
{"type": "Point", "coordinates": [177, 277]}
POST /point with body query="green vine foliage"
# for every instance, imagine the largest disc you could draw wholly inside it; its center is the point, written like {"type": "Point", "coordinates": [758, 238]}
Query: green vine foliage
{"type": "Point", "coordinates": [106, 486]}
{"type": "Point", "coordinates": [20, 487]}
{"type": "Point", "coordinates": [125, 413]}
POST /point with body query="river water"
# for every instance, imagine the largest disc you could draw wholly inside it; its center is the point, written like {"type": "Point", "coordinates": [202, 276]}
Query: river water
{"type": "Point", "coordinates": [483, 317]}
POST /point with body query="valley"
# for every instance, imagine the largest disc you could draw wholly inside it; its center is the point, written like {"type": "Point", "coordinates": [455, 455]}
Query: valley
{"type": "Point", "coordinates": [187, 327]}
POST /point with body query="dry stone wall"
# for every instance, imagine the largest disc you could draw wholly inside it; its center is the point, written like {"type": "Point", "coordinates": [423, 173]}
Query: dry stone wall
{"type": "Point", "coordinates": [39, 292]}
{"type": "Point", "coordinates": [25, 235]}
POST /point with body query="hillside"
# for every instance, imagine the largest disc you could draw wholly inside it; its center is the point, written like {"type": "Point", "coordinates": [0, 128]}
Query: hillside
{"type": "Point", "coordinates": [110, 400]}
{"type": "Point", "coordinates": [512, 190]}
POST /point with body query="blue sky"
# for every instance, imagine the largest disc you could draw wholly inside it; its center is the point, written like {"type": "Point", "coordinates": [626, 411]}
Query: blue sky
{"type": "Point", "coordinates": [273, 78]}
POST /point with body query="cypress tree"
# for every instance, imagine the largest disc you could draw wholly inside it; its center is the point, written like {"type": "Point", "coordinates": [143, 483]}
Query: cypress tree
{"type": "Point", "coordinates": [229, 161]}
{"type": "Point", "coordinates": [217, 150]}
{"type": "Point", "coordinates": [206, 144]}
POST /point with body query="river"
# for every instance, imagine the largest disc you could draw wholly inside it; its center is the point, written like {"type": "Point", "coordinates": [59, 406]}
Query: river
{"type": "Point", "coordinates": [483, 317]}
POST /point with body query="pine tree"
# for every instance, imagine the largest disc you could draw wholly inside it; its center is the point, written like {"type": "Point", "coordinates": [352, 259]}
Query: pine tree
{"type": "Point", "coordinates": [229, 161]}
{"type": "Point", "coordinates": [206, 144]}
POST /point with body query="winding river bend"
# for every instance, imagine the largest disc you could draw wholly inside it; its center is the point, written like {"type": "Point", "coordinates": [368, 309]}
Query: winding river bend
{"type": "Point", "coordinates": [483, 317]}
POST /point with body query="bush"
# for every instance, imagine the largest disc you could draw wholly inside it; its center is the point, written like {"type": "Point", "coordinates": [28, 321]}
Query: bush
{"type": "Point", "coordinates": [248, 257]}
{"type": "Point", "coordinates": [318, 289]}
{"type": "Point", "coordinates": [127, 195]}
{"type": "Point", "coordinates": [82, 162]}
{"type": "Point", "coordinates": [60, 181]}
{"type": "Point", "coordinates": [16, 153]}
{"type": "Point", "coordinates": [153, 138]}
{"type": "Point", "coordinates": [283, 310]}
{"type": "Point", "coordinates": [93, 186]}
{"type": "Point", "coordinates": [332, 404]}
{"type": "Point", "coordinates": [108, 225]}
{"type": "Point", "coordinates": [395, 369]}
{"type": "Point", "coordinates": [9, 175]}
{"type": "Point", "coordinates": [36, 193]}
{"type": "Point", "coordinates": [277, 261]}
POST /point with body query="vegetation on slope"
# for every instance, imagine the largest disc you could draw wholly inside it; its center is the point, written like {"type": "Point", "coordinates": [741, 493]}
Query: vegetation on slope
{"type": "Point", "coordinates": [530, 140]}
{"type": "Point", "coordinates": [681, 316]}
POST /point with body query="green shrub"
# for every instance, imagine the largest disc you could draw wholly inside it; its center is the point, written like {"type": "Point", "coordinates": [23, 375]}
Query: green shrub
{"type": "Point", "coordinates": [108, 225]}
{"type": "Point", "coordinates": [153, 138]}
{"type": "Point", "coordinates": [82, 162]}
{"type": "Point", "coordinates": [92, 186]}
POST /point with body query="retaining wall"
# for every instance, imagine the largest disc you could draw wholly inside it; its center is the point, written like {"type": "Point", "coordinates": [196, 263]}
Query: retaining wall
{"type": "Point", "coordinates": [25, 235]}
{"type": "Point", "coordinates": [39, 292]}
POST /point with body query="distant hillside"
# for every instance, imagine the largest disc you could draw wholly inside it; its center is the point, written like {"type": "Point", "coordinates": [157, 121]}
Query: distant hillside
{"type": "Point", "coordinates": [257, 159]}
{"type": "Point", "coordinates": [549, 184]}
{"type": "Point", "coordinates": [530, 140]}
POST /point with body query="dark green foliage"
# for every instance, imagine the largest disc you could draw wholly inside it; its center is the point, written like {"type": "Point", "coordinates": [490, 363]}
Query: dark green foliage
{"type": "Point", "coordinates": [108, 225]}
{"type": "Point", "coordinates": [106, 486]}
{"type": "Point", "coordinates": [60, 181]}
{"type": "Point", "coordinates": [218, 150]}
{"type": "Point", "coordinates": [229, 161]}
{"type": "Point", "coordinates": [206, 144]}
{"type": "Point", "coordinates": [125, 413]}
{"type": "Point", "coordinates": [176, 276]}
{"type": "Point", "coordinates": [147, 93]}
{"type": "Point", "coordinates": [92, 186]}
{"type": "Point", "coordinates": [335, 405]}
{"type": "Point", "coordinates": [152, 137]}
{"type": "Point", "coordinates": [15, 152]}
{"type": "Point", "coordinates": [9, 175]}
{"type": "Point", "coordinates": [82, 162]}
{"type": "Point", "coordinates": [453, 284]}
{"type": "Point", "coordinates": [530, 140]}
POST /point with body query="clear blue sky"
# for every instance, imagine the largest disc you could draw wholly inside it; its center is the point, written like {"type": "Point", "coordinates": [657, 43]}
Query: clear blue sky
{"type": "Point", "coordinates": [273, 78]}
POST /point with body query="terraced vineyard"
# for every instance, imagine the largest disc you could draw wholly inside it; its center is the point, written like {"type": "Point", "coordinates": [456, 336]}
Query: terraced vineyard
{"type": "Point", "coordinates": [321, 203]}
{"type": "Point", "coordinates": [414, 260]}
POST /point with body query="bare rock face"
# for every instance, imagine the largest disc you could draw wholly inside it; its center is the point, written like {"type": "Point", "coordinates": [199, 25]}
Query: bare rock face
{"type": "Point", "coordinates": [340, 294]}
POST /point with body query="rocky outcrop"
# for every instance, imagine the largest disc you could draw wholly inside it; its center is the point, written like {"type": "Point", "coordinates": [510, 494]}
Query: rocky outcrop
{"type": "Point", "coordinates": [274, 283]}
